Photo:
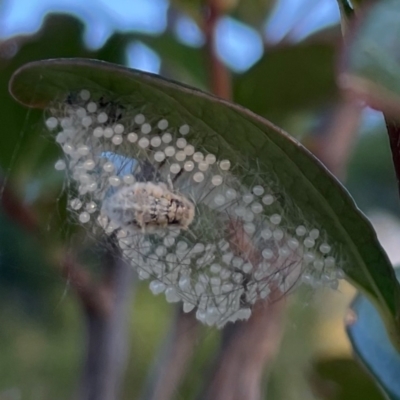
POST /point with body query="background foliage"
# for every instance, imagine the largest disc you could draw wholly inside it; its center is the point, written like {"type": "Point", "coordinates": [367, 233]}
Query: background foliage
{"type": "Point", "coordinates": [291, 82]}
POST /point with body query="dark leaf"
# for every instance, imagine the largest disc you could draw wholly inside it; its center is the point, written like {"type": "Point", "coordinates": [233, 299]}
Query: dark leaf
{"type": "Point", "coordinates": [343, 379]}
{"type": "Point", "coordinates": [237, 134]}
{"type": "Point", "coordinates": [288, 80]}
{"type": "Point", "coordinates": [370, 65]}
{"type": "Point", "coordinates": [373, 347]}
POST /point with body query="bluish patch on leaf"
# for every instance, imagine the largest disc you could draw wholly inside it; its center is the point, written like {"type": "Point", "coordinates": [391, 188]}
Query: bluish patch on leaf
{"type": "Point", "coordinates": [372, 346]}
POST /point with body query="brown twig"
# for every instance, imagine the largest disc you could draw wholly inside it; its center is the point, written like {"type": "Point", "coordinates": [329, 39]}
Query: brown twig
{"type": "Point", "coordinates": [333, 146]}
{"type": "Point", "coordinates": [96, 299]}
{"type": "Point", "coordinates": [91, 296]}
{"type": "Point", "coordinates": [246, 346]}
{"type": "Point", "coordinates": [178, 348]}
{"type": "Point", "coordinates": [247, 349]}
{"type": "Point", "coordinates": [107, 342]}
{"type": "Point", "coordinates": [220, 81]}
{"type": "Point", "coordinates": [171, 363]}
{"type": "Point", "coordinates": [16, 210]}
{"type": "Point", "coordinates": [105, 306]}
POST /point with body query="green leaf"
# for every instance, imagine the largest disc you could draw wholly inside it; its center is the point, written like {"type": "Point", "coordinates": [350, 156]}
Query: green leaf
{"type": "Point", "coordinates": [372, 180]}
{"type": "Point", "coordinates": [372, 346]}
{"type": "Point", "coordinates": [194, 8]}
{"type": "Point", "coordinates": [346, 8]}
{"type": "Point", "coordinates": [274, 88]}
{"type": "Point", "coordinates": [370, 65]}
{"type": "Point", "coordinates": [178, 60]}
{"type": "Point", "coordinates": [360, 3]}
{"type": "Point", "coordinates": [346, 13]}
{"type": "Point", "coordinates": [60, 36]}
{"type": "Point", "coordinates": [308, 194]}
{"type": "Point", "coordinates": [253, 12]}
{"type": "Point", "coordinates": [343, 379]}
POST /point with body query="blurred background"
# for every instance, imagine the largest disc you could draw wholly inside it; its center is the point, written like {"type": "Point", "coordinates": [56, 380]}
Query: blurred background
{"type": "Point", "coordinates": [278, 58]}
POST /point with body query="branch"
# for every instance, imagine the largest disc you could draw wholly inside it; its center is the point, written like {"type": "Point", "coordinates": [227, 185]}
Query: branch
{"type": "Point", "coordinates": [345, 9]}
{"type": "Point", "coordinates": [171, 363]}
{"type": "Point", "coordinates": [105, 306]}
{"type": "Point", "coordinates": [333, 146]}
{"type": "Point", "coordinates": [92, 297]}
{"type": "Point", "coordinates": [107, 342]}
{"type": "Point", "coordinates": [220, 81]}
{"type": "Point", "coordinates": [246, 349]}
{"type": "Point", "coordinates": [96, 299]}
{"type": "Point", "coordinates": [247, 346]}
{"type": "Point", "coordinates": [16, 210]}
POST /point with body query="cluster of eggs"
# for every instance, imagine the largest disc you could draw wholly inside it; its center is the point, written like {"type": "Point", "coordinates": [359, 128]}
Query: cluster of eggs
{"type": "Point", "coordinates": [185, 218]}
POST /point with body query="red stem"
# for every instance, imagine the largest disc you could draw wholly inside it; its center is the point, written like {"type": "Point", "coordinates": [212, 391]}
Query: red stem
{"type": "Point", "coordinates": [93, 297]}
{"type": "Point", "coordinates": [220, 81]}
{"type": "Point", "coordinates": [247, 346]}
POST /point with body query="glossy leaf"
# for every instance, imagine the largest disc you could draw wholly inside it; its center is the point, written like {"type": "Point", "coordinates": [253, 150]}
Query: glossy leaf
{"type": "Point", "coordinates": [343, 379]}
{"type": "Point", "coordinates": [253, 12]}
{"type": "Point", "coordinates": [236, 132]}
{"type": "Point", "coordinates": [372, 346]}
{"type": "Point", "coordinates": [59, 36]}
{"type": "Point", "coordinates": [346, 13]}
{"type": "Point", "coordinates": [371, 180]}
{"type": "Point", "coordinates": [346, 8]}
{"type": "Point", "coordinates": [178, 60]}
{"type": "Point", "coordinates": [282, 90]}
{"type": "Point", "coordinates": [194, 8]}
{"type": "Point", "coordinates": [370, 65]}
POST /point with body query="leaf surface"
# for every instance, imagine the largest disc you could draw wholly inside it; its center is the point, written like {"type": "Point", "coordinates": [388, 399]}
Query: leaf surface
{"type": "Point", "coordinates": [236, 133]}
{"type": "Point", "coordinates": [370, 64]}
{"type": "Point", "coordinates": [373, 347]}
